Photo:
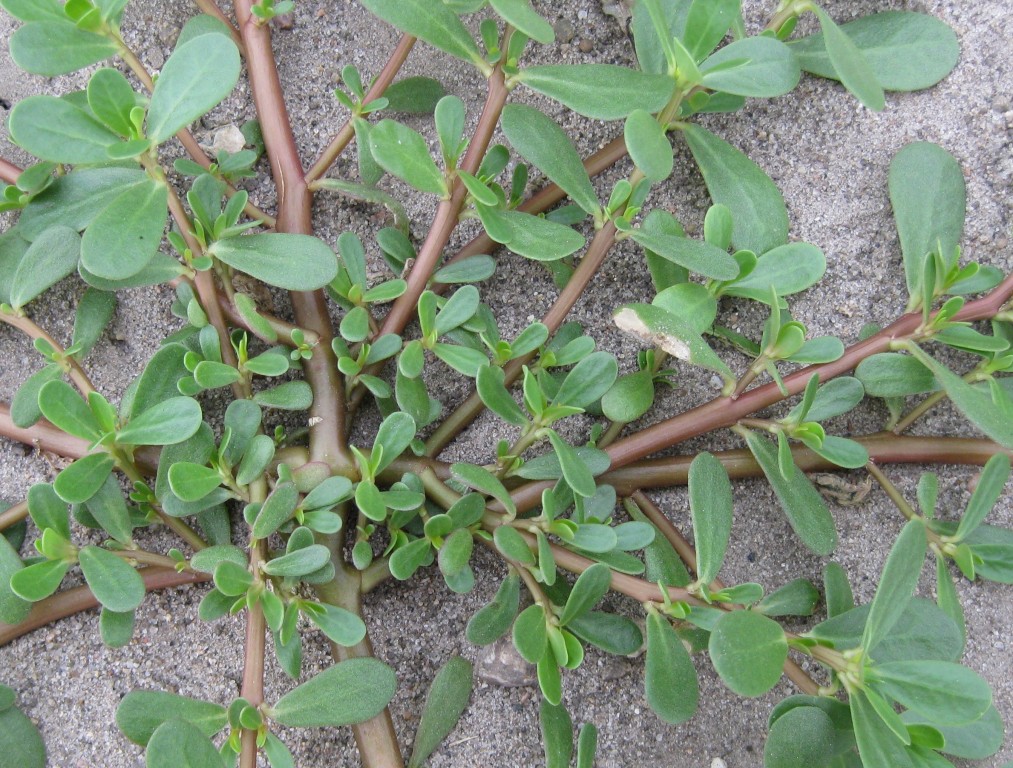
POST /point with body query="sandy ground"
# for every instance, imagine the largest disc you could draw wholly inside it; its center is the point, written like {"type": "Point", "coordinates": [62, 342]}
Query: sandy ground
{"type": "Point", "coordinates": [828, 155]}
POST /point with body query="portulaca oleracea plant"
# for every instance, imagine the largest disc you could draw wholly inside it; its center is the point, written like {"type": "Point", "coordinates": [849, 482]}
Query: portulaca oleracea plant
{"type": "Point", "coordinates": [246, 438]}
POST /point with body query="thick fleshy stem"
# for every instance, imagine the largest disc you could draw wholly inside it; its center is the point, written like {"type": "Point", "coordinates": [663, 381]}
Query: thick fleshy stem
{"type": "Point", "coordinates": [72, 601]}
{"type": "Point", "coordinates": [327, 414]}
{"type": "Point", "coordinates": [724, 411]}
{"type": "Point", "coordinates": [8, 171]}
{"type": "Point", "coordinates": [13, 515]}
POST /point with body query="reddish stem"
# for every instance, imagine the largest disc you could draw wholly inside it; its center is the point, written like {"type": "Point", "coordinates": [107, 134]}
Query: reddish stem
{"type": "Point", "coordinates": [295, 200]}
{"type": "Point", "coordinates": [67, 603]}
{"type": "Point", "coordinates": [724, 411]}
{"type": "Point", "coordinates": [8, 171]}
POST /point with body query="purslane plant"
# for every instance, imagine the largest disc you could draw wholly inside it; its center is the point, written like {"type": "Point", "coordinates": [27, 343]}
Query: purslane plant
{"type": "Point", "coordinates": [292, 526]}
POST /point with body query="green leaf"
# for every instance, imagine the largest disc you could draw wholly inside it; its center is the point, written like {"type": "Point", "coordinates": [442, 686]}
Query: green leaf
{"type": "Point", "coordinates": [576, 473]}
{"type": "Point", "coordinates": [695, 255]}
{"type": "Point", "coordinates": [62, 405]}
{"type": "Point", "coordinates": [94, 312]}
{"type": "Point", "coordinates": [836, 397]}
{"type": "Point", "coordinates": [906, 51]}
{"type": "Point", "coordinates": [761, 67]}
{"type": "Point", "coordinates": [648, 145]}
{"type": "Point", "coordinates": [786, 269]}
{"type": "Point", "coordinates": [432, 22]}
{"type": "Point", "coordinates": [710, 503]}
{"type": "Point", "coordinates": [13, 609]}
{"type": "Point", "coordinates": [191, 482]}
{"type": "Point", "coordinates": [112, 579]}
{"type": "Point", "coordinates": [395, 434]}
{"type": "Point", "coordinates": [529, 633]}
{"type": "Point", "coordinates": [521, 15]}
{"type": "Point", "coordinates": [24, 410]}
{"type": "Point", "coordinates": [57, 47]}
{"type": "Point", "coordinates": [110, 511]}
{"type": "Point", "coordinates": [557, 734]}
{"type": "Point", "coordinates": [459, 309]}
{"type": "Point", "coordinates": [612, 633]}
{"type": "Point", "coordinates": [111, 98]}
{"type": "Point", "coordinates": [629, 398]}
{"type": "Point", "coordinates": [877, 744]}
{"type": "Point", "coordinates": [796, 598]}
{"type": "Point", "coordinates": [445, 703]}
{"type": "Point", "coordinates": [845, 453]}
{"type": "Point", "coordinates": [991, 483]}
{"type": "Point", "coordinates": [801, 502]}
{"type": "Point", "coordinates": [125, 236]}
{"type": "Point", "coordinates": [40, 580]}
{"type": "Point", "coordinates": [471, 269]}
{"type": "Point", "coordinates": [409, 558]}
{"type": "Point", "coordinates": [889, 374]}
{"type": "Point", "coordinates": [484, 481]}
{"type": "Point", "coordinates": [493, 620]}
{"type": "Point", "coordinates": [199, 74]}
{"type": "Point", "coordinates": [837, 590]}
{"type": "Point", "coordinates": [896, 584]}
{"type": "Point", "coordinates": [590, 587]}
{"type": "Point", "coordinates": [341, 626]}
{"type": "Point", "coordinates": [706, 22]}
{"type": "Point", "coordinates": [276, 510]}
{"type": "Point", "coordinates": [928, 196]}
{"type": "Point", "coordinates": [850, 64]}
{"type": "Point", "coordinates": [171, 421]}
{"type": "Point", "coordinates": [414, 95]}
{"type": "Point", "coordinates": [494, 394]}
{"type": "Point", "coordinates": [923, 631]}
{"type": "Point", "coordinates": [748, 651]}
{"type": "Point", "coordinates": [82, 479]}
{"type": "Point", "coordinates": [599, 91]}
{"type": "Point", "coordinates": [535, 237]}
{"type": "Point", "coordinates": [991, 410]}
{"type": "Point", "coordinates": [179, 744]}
{"type": "Point", "coordinates": [20, 741]}
{"type": "Point", "coordinates": [404, 153]}
{"type": "Point", "coordinates": [292, 262]}
{"type": "Point", "coordinates": [671, 333]}
{"type": "Point", "coordinates": [587, 381]}
{"type": "Point", "coordinates": [947, 598]}
{"type": "Point", "coordinates": [540, 141]}
{"type": "Point", "coordinates": [941, 692]}
{"type": "Point", "coordinates": [803, 737]}
{"type": "Point", "coordinates": [56, 130]}
{"type": "Point", "coordinates": [35, 10]}
{"type": "Point", "coordinates": [670, 681]}
{"type": "Point", "coordinates": [300, 562]}
{"type": "Point", "coordinates": [733, 180]}
{"type": "Point", "coordinates": [974, 741]}
{"type": "Point", "coordinates": [351, 691]}
{"type": "Point", "coordinates": [47, 261]}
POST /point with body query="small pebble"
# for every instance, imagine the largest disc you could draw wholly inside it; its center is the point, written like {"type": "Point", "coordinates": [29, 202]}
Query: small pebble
{"type": "Point", "coordinates": [154, 57]}
{"type": "Point", "coordinates": [717, 762]}
{"type": "Point", "coordinates": [585, 45]}
{"type": "Point", "coordinates": [283, 21]}
{"type": "Point", "coordinates": [228, 138]}
{"type": "Point", "coordinates": [564, 30]}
